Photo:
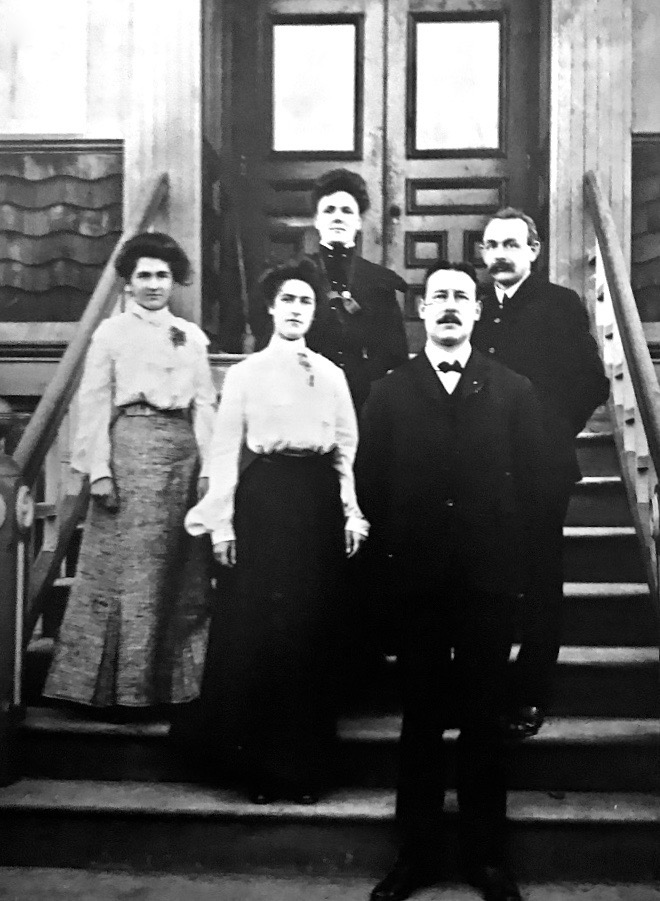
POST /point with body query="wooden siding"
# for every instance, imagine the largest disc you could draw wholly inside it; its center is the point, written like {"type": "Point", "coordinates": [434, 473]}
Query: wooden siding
{"type": "Point", "coordinates": [590, 125]}
{"type": "Point", "coordinates": [61, 216]}
{"type": "Point", "coordinates": [164, 128]}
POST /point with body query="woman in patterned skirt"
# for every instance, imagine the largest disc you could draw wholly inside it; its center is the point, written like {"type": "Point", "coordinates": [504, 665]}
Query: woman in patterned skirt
{"type": "Point", "coordinates": [281, 529]}
{"type": "Point", "coordinates": [135, 628]}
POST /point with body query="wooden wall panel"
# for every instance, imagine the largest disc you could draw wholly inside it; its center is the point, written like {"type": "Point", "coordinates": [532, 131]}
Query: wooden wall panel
{"type": "Point", "coordinates": [164, 129]}
{"type": "Point", "coordinates": [646, 72]}
{"type": "Point", "coordinates": [108, 67]}
{"type": "Point", "coordinates": [591, 119]}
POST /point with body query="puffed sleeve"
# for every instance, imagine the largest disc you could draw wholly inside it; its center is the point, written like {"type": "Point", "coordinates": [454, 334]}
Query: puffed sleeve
{"type": "Point", "coordinates": [346, 436]}
{"type": "Point", "coordinates": [204, 401]}
{"type": "Point", "coordinates": [91, 451]}
{"type": "Point", "coordinates": [215, 512]}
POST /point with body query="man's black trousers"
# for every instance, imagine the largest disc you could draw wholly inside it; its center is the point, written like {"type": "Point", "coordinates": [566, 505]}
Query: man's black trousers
{"type": "Point", "coordinates": [453, 658]}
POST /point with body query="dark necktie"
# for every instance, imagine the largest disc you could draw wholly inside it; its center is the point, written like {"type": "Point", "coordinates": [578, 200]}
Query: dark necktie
{"type": "Point", "coordinates": [450, 367]}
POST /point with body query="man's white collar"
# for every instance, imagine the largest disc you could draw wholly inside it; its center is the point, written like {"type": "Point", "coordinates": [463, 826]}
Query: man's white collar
{"type": "Point", "coordinates": [437, 355]}
{"type": "Point", "coordinates": [510, 290]}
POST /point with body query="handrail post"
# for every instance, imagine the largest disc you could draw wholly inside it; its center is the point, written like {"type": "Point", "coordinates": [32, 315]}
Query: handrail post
{"type": "Point", "coordinates": [16, 513]}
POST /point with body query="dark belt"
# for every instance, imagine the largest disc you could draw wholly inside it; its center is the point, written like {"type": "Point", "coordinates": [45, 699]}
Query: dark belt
{"type": "Point", "coordinates": [293, 455]}
{"type": "Point", "coordinates": [143, 409]}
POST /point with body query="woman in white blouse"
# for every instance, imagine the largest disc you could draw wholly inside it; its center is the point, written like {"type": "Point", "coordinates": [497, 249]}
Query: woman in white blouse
{"type": "Point", "coordinates": [135, 628]}
{"type": "Point", "coordinates": [282, 527]}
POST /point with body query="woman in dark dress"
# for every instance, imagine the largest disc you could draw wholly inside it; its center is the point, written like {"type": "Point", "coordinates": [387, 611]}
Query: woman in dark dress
{"type": "Point", "coordinates": [359, 325]}
{"type": "Point", "coordinates": [282, 530]}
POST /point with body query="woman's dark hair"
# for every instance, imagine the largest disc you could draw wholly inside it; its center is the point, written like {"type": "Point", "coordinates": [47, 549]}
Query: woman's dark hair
{"type": "Point", "coordinates": [158, 246]}
{"type": "Point", "coordinates": [341, 180]}
{"type": "Point", "coordinates": [272, 279]}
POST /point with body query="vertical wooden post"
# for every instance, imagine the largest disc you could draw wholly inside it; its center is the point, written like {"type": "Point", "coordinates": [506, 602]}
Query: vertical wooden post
{"type": "Point", "coordinates": [590, 126]}
{"type": "Point", "coordinates": [13, 571]}
{"type": "Point", "coordinates": [164, 124]}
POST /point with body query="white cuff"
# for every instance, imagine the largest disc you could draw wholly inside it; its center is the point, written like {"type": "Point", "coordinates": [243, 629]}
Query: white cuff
{"type": "Point", "coordinates": [357, 524]}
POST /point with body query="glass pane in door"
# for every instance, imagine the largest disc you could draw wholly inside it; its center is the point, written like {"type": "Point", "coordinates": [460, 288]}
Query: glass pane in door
{"type": "Point", "coordinates": [457, 85]}
{"type": "Point", "coordinates": [314, 87]}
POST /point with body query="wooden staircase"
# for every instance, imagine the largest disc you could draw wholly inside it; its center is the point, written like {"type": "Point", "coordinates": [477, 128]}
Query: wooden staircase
{"type": "Point", "coordinates": [585, 799]}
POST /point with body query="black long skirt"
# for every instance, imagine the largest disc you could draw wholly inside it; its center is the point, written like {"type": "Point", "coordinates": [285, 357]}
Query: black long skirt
{"type": "Point", "coordinates": [269, 691]}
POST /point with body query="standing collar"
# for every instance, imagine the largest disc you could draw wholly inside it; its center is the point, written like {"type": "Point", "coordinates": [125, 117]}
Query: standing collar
{"type": "Point", "coordinates": [282, 346]}
{"type": "Point", "coordinates": [437, 355]}
{"type": "Point", "coordinates": [158, 318]}
{"type": "Point", "coordinates": [511, 290]}
{"type": "Point", "coordinates": [345, 247]}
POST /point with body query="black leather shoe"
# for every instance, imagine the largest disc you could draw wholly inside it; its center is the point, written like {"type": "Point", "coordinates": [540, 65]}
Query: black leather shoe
{"type": "Point", "coordinates": [494, 883]}
{"type": "Point", "coordinates": [525, 722]}
{"type": "Point", "coordinates": [402, 880]}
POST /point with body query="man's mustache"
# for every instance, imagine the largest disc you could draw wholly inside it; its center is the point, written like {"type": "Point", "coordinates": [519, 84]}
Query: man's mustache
{"type": "Point", "coordinates": [449, 317]}
{"type": "Point", "coordinates": [501, 266]}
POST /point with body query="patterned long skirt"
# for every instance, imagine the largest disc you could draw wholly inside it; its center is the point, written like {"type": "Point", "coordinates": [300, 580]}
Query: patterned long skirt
{"type": "Point", "coordinates": [136, 624]}
{"type": "Point", "coordinates": [269, 696]}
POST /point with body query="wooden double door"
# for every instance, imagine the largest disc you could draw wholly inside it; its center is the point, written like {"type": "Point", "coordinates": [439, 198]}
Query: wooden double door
{"type": "Point", "coordinates": [433, 102]}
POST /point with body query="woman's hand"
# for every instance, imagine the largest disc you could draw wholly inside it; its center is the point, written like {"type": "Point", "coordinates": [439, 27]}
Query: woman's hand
{"type": "Point", "coordinates": [225, 552]}
{"type": "Point", "coordinates": [202, 487]}
{"type": "Point", "coordinates": [104, 493]}
{"type": "Point", "coordinates": [353, 540]}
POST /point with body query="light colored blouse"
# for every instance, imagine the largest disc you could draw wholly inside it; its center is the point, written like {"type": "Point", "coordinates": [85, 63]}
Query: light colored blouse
{"type": "Point", "coordinates": [136, 357]}
{"type": "Point", "coordinates": [284, 398]}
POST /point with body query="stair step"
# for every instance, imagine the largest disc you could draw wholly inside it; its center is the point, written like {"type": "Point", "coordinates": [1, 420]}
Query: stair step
{"type": "Point", "coordinates": [50, 884]}
{"type": "Point", "coordinates": [609, 613]}
{"type": "Point", "coordinates": [569, 753]}
{"type": "Point", "coordinates": [607, 682]}
{"type": "Point", "coordinates": [596, 453]}
{"type": "Point", "coordinates": [602, 553]}
{"type": "Point", "coordinates": [599, 501]}
{"type": "Point", "coordinates": [173, 827]}
{"type": "Point", "coordinates": [589, 681]}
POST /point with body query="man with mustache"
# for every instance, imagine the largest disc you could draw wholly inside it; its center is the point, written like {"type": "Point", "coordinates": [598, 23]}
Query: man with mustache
{"type": "Point", "coordinates": [450, 473]}
{"type": "Point", "coordinates": [540, 330]}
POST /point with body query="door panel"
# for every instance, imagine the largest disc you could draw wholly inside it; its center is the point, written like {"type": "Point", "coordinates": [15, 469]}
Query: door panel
{"type": "Point", "coordinates": [433, 102]}
{"type": "Point", "coordinates": [459, 128]}
{"type": "Point", "coordinates": [322, 69]}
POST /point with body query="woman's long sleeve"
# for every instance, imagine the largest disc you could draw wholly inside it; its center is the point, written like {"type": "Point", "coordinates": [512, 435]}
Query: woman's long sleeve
{"type": "Point", "coordinates": [215, 512]}
{"type": "Point", "coordinates": [204, 402]}
{"type": "Point", "coordinates": [91, 451]}
{"type": "Point", "coordinates": [347, 439]}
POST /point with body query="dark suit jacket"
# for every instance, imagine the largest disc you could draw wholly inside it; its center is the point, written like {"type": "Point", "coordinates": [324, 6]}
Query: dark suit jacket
{"type": "Point", "coordinates": [543, 333]}
{"type": "Point", "coordinates": [366, 344]}
{"type": "Point", "coordinates": [453, 481]}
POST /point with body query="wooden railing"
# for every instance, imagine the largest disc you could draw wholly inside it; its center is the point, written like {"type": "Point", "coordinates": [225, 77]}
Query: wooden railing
{"type": "Point", "coordinates": [635, 393]}
{"type": "Point", "coordinates": [45, 444]}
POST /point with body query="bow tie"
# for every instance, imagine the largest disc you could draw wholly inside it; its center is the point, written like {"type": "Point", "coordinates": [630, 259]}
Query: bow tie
{"type": "Point", "coordinates": [450, 367]}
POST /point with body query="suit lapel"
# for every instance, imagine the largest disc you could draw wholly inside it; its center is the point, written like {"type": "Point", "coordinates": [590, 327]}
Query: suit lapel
{"type": "Point", "coordinates": [475, 375]}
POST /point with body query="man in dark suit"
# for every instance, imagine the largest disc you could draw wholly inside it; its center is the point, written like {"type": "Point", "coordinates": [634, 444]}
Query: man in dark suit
{"type": "Point", "coordinates": [358, 323]}
{"type": "Point", "coordinates": [449, 472]}
{"type": "Point", "coordinates": [540, 330]}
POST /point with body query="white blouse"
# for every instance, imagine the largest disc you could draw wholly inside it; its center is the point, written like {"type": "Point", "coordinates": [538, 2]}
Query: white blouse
{"type": "Point", "coordinates": [275, 401]}
{"type": "Point", "coordinates": [136, 357]}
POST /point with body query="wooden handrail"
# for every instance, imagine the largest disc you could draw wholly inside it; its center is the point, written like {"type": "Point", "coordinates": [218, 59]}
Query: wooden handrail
{"type": "Point", "coordinates": [42, 428]}
{"type": "Point", "coordinates": [635, 394]}
{"type": "Point", "coordinates": [642, 372]}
